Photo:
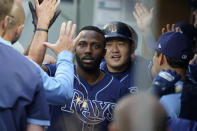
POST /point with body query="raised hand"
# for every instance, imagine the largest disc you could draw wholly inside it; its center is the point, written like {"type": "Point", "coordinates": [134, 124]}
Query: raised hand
{"type": "Point", "coordinates": [171, 28]}
{"type": "Point", "coordinates": [143, 16]}
{"type": "Point", "coordinates": [42, 10]}
{"type": "Point", "coordinates": [164, 82]}
{"type": "Point", "coordinates": [65, 41]}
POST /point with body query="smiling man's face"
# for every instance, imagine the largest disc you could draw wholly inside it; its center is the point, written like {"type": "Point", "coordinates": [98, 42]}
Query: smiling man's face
{"type": "Point", "coordinates": [118, 52]}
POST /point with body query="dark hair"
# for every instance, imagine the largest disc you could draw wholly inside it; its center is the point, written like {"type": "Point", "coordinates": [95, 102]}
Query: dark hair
{"type": "Point", "coordinates": [94, 28]}
{"type": "Point", "coordinates": [174, 62]}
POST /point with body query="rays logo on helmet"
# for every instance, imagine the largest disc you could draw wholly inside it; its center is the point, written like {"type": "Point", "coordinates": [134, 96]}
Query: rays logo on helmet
{"type": "Point", "coordinates": [112, 28]}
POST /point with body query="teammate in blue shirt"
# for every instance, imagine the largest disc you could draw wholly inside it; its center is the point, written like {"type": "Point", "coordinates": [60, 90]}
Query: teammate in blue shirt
{"type": "Point", "coordinates": [22, 99]}
{"type": "Point", "coordinates": [59, 88]}
{"type": "Point", "coordinates": [121, 42]}
{"type": "Point", "coordinates": [22, 94]}
{"type": "Point", "coordinates": [95, 92]}
{"type": "Point", "coordinates": [173, 52]}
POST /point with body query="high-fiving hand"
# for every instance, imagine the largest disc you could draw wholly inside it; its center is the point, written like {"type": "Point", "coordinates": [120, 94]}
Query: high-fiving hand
{"type": "Point", "coordinates": [171, 28]}
{"type": "Point", "coordinates": [65, 41]}
{"type": "Point", "coordinates": [143, 16]}
{"type": "Point", "coordinates": [45, 9]}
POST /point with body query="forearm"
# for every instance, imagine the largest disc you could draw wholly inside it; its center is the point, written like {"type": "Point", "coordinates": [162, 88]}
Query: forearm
{"type": "Point", "coordinates": [42, 16]}
{"type": "Point", "coordinates": [149, 40]}
{"type": "Point", "coordinates": [149, 34]}
{"type": "Point", "coordinates": [59, 89]}
{"type": "Point", "coordinates": [37, 49]}
{"type": "Point", "coordinates": [32, 127]}
{"type": "Point", "coordinates": [28, 48]}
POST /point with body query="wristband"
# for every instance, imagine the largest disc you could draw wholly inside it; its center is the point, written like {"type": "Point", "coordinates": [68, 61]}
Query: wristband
{"type": "Point", "coordinates": [41, 29]}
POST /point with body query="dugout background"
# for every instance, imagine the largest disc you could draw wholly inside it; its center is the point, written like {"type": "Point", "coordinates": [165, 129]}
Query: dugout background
{"type": "Point", "coordinates": [86, 12]}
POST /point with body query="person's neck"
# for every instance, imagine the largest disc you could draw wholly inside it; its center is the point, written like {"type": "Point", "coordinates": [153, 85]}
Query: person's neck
{"type": "Point", "coordinates": [118, 69]}
{"type": "Point", "coordinates": [180, 71]}
{"type": "Point", "coordinates": [92, 77]}
{"type": "Point", "coordinates": [8, 36]}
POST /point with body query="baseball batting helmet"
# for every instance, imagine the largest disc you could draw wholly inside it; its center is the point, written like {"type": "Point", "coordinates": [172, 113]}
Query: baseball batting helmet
{"type": "Point", "coordinates": [120, 30]}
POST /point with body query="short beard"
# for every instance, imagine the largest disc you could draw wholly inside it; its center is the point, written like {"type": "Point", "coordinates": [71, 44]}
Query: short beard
{"type": "Point", "coordinates": [16, 37]}
{"type": "Point", "coordinates": [89, 69]}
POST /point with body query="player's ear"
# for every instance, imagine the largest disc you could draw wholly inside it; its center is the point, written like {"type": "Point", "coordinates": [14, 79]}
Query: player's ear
{"type": "Point", "coordinates": [161, 59]}
{"type": "Point", "coordinates": [4, 24]}
{"type": "Point", "coordinates": [20, 28]}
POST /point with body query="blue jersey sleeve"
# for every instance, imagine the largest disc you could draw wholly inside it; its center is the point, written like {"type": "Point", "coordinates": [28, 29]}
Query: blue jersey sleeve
{"type": "Point", "coordinates": [179, 124]}
{"type": "Point", "coordinates": [38, 111]}
{"type": "Point", "coordinates": [172, 104]}
{"type": "Point", "coordinates": [59, 89]}
{"type": "Point", "coordinates": [52, 69]}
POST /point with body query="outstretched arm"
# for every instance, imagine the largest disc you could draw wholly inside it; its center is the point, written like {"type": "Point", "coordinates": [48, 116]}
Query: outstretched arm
{"type": "Point", "coordinates": [171, 28]}
{"type": "Point", "coordinates": [45, 12]}
{"type": "Point", "coordinates": [144, 19]}
{"type": "Point", "coordinates": [59, 88]}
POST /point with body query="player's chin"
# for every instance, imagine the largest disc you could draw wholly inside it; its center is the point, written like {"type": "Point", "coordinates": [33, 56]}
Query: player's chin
{"type": "Point", "coordinates": [89, 68]}
{"type": "Point", "coordinates": [115, 63]}
{"type": "Point", "coordinates": [115, 66]}
{"type": "Point", "coordinates": [89, 62]}
{"type": "Point", "coordinates": [90, 65]}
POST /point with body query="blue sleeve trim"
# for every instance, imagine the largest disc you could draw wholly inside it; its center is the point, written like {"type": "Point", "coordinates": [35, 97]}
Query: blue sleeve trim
{"type": "Point", "coordinates": [38, 122]}
{"type": "Point", "coordinates": [49, 69]}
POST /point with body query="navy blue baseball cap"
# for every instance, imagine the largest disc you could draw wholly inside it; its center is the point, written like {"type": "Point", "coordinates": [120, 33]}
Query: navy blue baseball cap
{"type": "Point", "coordinates": [188, 29]}
{"type": "Point", "coordinates": [120, 30]}
{"type": "Point", "coordinates": [175, 45]}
